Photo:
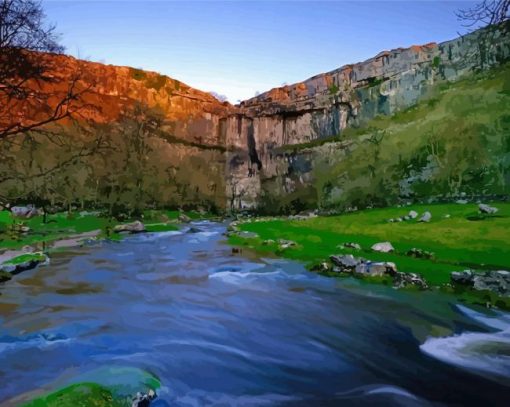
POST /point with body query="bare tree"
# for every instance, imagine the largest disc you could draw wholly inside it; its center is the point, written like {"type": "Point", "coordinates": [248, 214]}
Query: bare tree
{"type": "Point", "coordinates": [488, 12]}
{"type": "Point", "coordinates": [26, 70]}
{"type": "Point", "coordinates": [492, 16]}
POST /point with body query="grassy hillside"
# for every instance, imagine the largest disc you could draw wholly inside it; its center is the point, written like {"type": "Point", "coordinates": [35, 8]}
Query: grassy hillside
{"type": "Point", "coordinates": [456, 141]}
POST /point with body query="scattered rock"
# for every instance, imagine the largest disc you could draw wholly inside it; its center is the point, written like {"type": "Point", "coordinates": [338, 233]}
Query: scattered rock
{"type": "Point", "coordinates": [24, 229]}
{"type": "Point", "coordinates": [426, 217]}
{"type": "Point", "coordinates": [268, 242]}
{"type": "Point", "coordinates": [391, 220]}
{"type": "Point", "coordinates": [420, 254]}
{"type": "Point", "coordinates": [384, 247]}
{"type": "Point", "coordinates": [352, 245]}
{"type": "Point", "coordinates": [184, 218]}
{"type": "Point", "coordinates": [25, 212]}
{"type": "Point", "coordinates": [413, 214]}
{"type": "Point", "coordinates": [134, 227]}
{"type": "Point", "coordinates": [285, 244]}
{"type": "Point", "coordinates": [402, 280]}
{"type": "Point", "coordinates": [376, 268]}
{"type": "Point", "coordinates": [144, 400]}
{"type": "Point", "coordinates": [398, 220]}
{"type": "Point", "coordinates": [194, 230]}
{"type": "Point", "coordinates": [496, 281]}
{"type": "Point", "coordinates": [487, 209]}
{"type": "Point", "coordinates": [465, 277]}
{"type": "Point", "coordinates": [346, 263]}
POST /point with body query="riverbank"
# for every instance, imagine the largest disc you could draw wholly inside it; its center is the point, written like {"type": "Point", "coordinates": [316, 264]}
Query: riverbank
{"type": "Point", "coordinates": [27, 242]}
{"type": "Point", "coordinates": [455, 238]}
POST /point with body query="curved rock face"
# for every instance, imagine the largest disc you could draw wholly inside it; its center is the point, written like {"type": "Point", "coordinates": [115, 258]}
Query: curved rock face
{"type": "Point", "coordinates": [326, 104]}
{"type": "Point", "coordinates": [248, 139]}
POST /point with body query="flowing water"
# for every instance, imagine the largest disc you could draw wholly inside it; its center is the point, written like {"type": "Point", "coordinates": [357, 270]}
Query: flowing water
{"type": "Point", "coordinates": [219, 329]}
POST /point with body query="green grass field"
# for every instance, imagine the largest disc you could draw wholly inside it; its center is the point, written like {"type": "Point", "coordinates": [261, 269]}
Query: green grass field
{"type": "Point", "coordinates": [462, 240]}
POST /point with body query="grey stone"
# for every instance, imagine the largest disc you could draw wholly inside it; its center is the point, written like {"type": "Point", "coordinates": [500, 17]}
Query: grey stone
{"type": "Point", "coordinates": [402, 280]}
{"type": "Point", "coordinates": [144, 400]}
{"type": "Point", "coordinates": [383, 247]}
{"type": "Point", "coordinates": [496, 281]}
{"type": "Point", "coordinates": [426, 217]}
{"type": "Point", "coordinates": [134, 227]}
{"type": "Point", "coordinates": [25, 212]}
{"type": "Point", "coordinates": [462, 277]}
{"type": "Point", "coordinates": [487, 209]}
{"type": "Point", "coordinates": [413, 214]}
{"type": "Point", "coordinates": [346, 262]}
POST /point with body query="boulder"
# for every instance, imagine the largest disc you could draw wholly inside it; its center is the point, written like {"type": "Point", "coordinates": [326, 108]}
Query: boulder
{"type": "Point", "coordinates": [376, 268]}
{"type": "Point", "coordinates": [490, 210]}
{"type": "Point", "coordinates": [413, 214]}
{"type": "Point", "coordinates": [465, 277]}
{"type": "Point", "coordinates": [346, 263]}
{"type": "Point", "coordinates": [184, 218]}
{"type": "Point", "coordinates": [134, 227]}
{"type": "Point", "coordinates": [495, 281]}
{"type": "Point", "coordinates": [402, 280]}
{"type": "Point", "coordinates": [383, 247]}
{"type": "Point", "coordinates": [25, 212]}
{"type": "Point", "coordinates": [426, 217]}
{"type": "Point", "coordinates": [194, 230]}
{"type": "Point", "coordinates": [268, 242]}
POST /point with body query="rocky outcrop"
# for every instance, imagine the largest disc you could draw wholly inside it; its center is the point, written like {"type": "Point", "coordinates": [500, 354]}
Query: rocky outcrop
{"type": "Point", "coordinates": [497, 281]}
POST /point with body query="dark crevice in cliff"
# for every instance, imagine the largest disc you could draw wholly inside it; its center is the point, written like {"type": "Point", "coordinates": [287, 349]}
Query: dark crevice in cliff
{"type": "Point", "coordinates": [252, 147]}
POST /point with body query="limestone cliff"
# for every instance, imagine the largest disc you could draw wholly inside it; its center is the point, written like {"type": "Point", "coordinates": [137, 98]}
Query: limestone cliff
{"type": "Point", "coordinates": [244, 145]}
{"type": "Point", "coordinates": [326, 104]}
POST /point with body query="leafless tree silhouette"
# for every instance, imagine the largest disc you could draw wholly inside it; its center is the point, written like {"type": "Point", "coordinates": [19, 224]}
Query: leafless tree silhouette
{"type": "Point", "coordinates": [26, 70]}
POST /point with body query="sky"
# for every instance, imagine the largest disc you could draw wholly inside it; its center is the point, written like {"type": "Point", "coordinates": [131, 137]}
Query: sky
{"type": "Point", "coordinates": [238, 48]}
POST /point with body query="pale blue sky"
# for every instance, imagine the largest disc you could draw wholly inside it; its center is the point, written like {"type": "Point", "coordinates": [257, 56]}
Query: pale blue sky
{"type": "Point", "coordinates": [239, 47]}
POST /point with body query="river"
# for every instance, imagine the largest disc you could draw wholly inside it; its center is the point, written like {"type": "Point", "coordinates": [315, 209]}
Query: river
{"type": "Point", "coordinates": [223, 329]}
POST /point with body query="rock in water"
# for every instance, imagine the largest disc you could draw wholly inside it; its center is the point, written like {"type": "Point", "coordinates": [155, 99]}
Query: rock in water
{"type": "Point", "coordinates": [426, 217]}
{"type": "Point", "coordinates": [383, 247]}
{"type": "Point", "coordinates": [144, 400]}
{"type": "Point", "coordinates": [487, 209]}
{"type": "Point", "coordinates": [134, 227]}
